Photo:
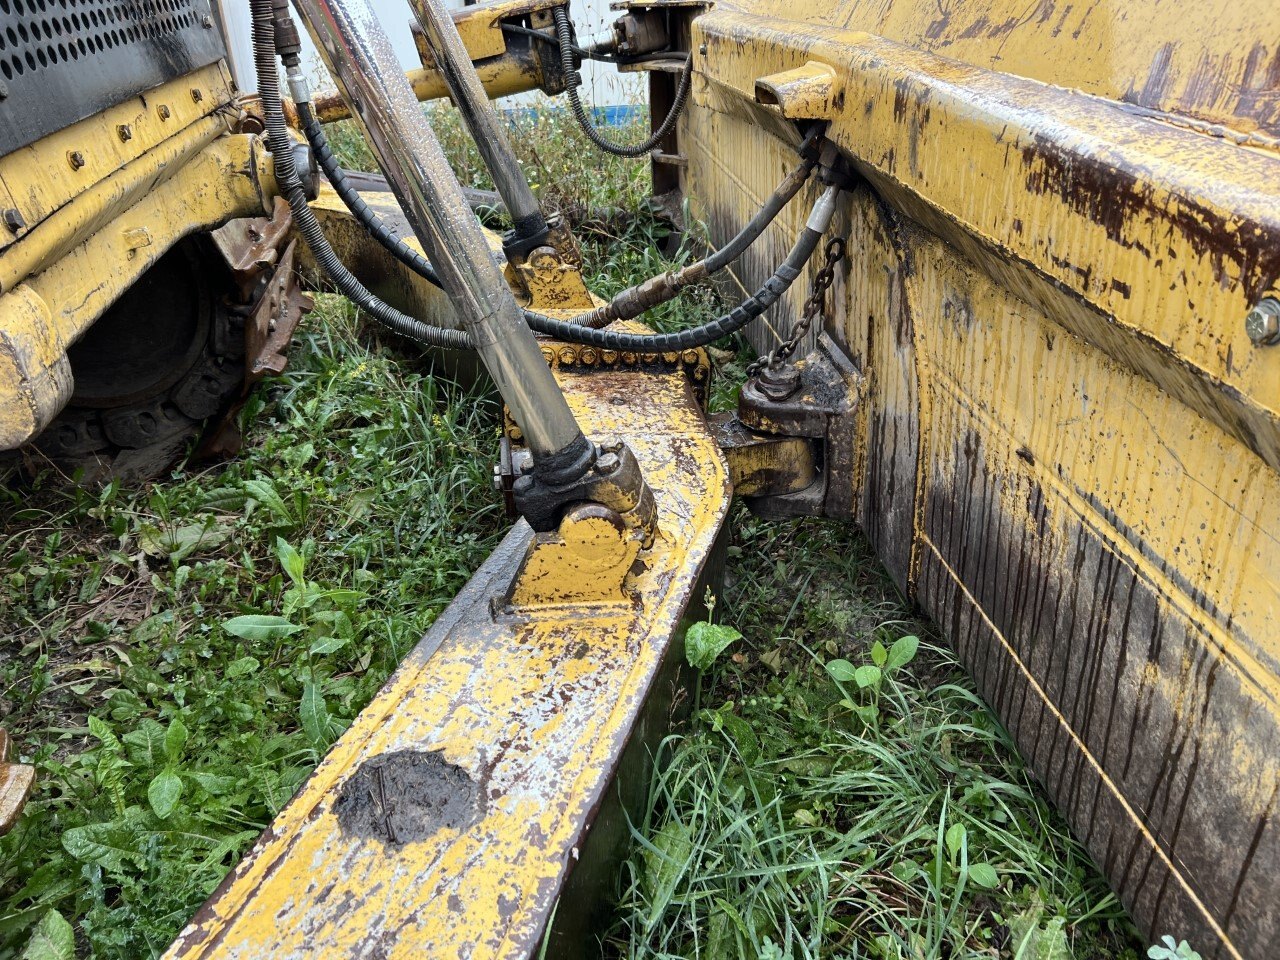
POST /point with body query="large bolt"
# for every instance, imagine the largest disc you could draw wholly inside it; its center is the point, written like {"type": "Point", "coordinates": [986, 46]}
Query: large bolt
{"type": "Point", "coordinates": [164, 111]}
{"type": "Point", "coordinates": [76, 159]}
{"type": "Point", "coordinates": [13, 220]}
{"type": "Point", "coordinates": [1263, 322]}
{"type": "Point", "coordinates": [779, 383]}
{"type": "Point", "coordinates": [125, 132]}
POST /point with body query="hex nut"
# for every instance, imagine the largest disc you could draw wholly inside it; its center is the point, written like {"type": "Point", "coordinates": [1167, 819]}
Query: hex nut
{"type": "Point", "coordinates": [1263, 322]}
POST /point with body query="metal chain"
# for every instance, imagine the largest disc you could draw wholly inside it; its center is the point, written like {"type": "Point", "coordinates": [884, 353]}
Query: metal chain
{"type": "Point", "coordinates": [814, 308]}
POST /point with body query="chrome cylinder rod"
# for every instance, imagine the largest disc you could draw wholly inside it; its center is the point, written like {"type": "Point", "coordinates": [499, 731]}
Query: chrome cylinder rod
{"type": "Point", "coordinates": [358, 54]}
{"type": "Point", "coordinates": [490, 136]}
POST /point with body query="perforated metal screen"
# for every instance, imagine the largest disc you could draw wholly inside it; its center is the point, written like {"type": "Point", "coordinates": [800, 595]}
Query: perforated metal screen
{"type": "Point", "coordinates": [64, 60]}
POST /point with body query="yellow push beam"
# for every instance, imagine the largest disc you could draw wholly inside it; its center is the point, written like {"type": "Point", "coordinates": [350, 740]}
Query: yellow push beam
{"type": "Point", "coordinates": [483, 780]}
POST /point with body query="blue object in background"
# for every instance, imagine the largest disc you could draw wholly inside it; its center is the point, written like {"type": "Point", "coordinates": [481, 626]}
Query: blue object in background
{"type": "Point", "coordinates": [618, 115]}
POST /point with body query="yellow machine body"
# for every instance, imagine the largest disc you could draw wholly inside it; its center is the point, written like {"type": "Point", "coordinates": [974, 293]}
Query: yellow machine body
{"type": "Point", "coordinates": [1065, 445]}
{"type": "Point", "coordinates": [1070, 445]}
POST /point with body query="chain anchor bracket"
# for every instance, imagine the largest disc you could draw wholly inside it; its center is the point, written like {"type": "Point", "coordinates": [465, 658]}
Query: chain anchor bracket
{"type": "Point", "coordinates": [774, 375]}
{"type": "Point", "coordinates": [791, 444]}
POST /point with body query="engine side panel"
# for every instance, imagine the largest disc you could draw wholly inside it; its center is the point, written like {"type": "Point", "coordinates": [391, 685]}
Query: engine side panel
{"type": "Point", "coordinates": [63, 61]}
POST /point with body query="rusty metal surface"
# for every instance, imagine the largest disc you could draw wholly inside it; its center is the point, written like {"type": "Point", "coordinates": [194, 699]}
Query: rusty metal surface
{"type": "Point", "coordinates": [271, 325]}
{"type": "Point", "coordinates": [251, 245]}
{"type": "Point", "coordinates": [1213, 63]}
{"type": "Point", "coordinates": [824, 407]}
{"type": "Point", "coordinates": [16, 781]}
{"type": "Point", "coordinates": [764, 464]}
{"type": "Point", "coordinates": [451, 815]}
{"type": "Point", "coordinates": [1071, 445]}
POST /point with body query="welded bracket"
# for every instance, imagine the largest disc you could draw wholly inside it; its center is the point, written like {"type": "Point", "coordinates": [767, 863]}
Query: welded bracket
{"type": "Point", "coordinates": [763, 465]}
{"type": "Point", "coordinates": [814, 400]}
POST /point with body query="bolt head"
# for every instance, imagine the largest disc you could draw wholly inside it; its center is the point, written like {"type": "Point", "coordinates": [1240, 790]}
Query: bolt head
{"type": "Point", "coordinates": [607, 463]}
{"type": "Point", "coordinates": [76, 159]}
{"type": "Point", "coordinates": [125, 132]}
{"type": "Point", "coordinates": [164, 111]}
{"type": "Point", "coordinates": [13, 220]}
{"type": "Point", "coordinates": [779, 383]}
{"type": "Point", "coordinates": [1263, 322]}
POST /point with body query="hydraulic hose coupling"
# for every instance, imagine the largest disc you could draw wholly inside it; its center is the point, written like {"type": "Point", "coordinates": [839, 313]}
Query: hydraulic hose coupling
{"type": "Point", "coordinates": [288, 41]}
{"type": "Point", "coordinates": [823, 212]}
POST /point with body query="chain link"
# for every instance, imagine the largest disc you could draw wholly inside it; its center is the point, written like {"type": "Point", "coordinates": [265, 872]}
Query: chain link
{"type": "Point", "coordinates": [814, 308]}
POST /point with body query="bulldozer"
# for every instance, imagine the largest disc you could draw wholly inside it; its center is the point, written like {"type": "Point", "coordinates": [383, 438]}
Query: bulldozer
{"type": "Point", "coordinates": [1021, 266]}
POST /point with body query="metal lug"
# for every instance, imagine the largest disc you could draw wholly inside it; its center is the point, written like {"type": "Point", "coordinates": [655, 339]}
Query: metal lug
{"type": "Point", "coordinates": [823, 407]}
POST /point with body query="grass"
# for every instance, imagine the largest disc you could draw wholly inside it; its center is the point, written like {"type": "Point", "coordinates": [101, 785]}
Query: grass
{"type": "Point", "coordinates": [842, 792]}
{"type": "Point", "coordinates": [177, 657]}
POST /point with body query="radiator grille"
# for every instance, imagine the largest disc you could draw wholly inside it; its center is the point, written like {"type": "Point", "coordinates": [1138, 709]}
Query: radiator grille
{"type": "Point", "coordinates": [64, 60]}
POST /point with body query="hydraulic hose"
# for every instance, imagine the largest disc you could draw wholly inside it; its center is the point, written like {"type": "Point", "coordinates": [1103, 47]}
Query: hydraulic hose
{"type": "Point", "coordinates": [580, 329]}
{"type": "Point", "coordinates": [633, 301]}
{"type": "Point", "coordinates": [376, 227]}
{"type": "Point", "coordinates": [264, 56]}
{"type": "Point", "coordinates": [572, 331]}
{"type": "Point", "coordinates": [574, 80]}
{"type": "Point", "coordinates": [740, 316]}
{"type": "Point", "coordinates": [628, 304]}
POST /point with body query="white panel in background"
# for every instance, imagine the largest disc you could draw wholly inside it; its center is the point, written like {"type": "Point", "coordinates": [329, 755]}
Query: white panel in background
{"type": "Point", "coordinates": [601, 84]}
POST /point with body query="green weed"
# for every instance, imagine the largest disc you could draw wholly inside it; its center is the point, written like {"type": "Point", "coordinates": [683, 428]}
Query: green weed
{"type": "Point", "coordinates": [842, 792]}
{"type": "Point", "coordinates": [177, 658]}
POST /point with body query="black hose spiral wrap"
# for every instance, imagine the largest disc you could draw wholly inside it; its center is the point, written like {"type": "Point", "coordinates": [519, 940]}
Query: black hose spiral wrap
{"type": "Point", "coordinates": [570, 330]}
{"type": "Point", "coordinates": [701, 336]}
{"type": "Point", "coordinates": [305, 219]}
{"type": "Point", "coordinates": [351, 198]}
{"type": "Point", "coordinates": [433, 336]}
{"type": "Point", "coordinates": [573, 80]}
